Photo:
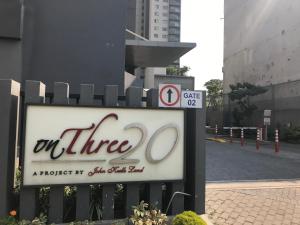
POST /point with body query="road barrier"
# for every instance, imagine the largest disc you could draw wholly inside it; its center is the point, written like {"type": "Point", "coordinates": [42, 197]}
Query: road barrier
{"type": "Point", "coordinates": [259, 135]}
{"type": "Point", "coordinates": [258, 138]}
{"type": "Point", "coordinates": [276, 141]}
{"type": "Point", "coordinates": [242, 137]}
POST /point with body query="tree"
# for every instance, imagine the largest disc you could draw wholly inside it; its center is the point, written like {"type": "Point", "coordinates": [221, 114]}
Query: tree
{"type": "Point", "coordinates": [241, 93]}
{"type": "Point", "coordinates": [179, 71]}
{"type": "Point", "coordinates": [214, 93]}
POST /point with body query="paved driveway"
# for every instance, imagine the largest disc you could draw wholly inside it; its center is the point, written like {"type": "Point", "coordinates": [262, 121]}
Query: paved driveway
{"type": "Point", "coordinates": [228, 162]}
{"type": "Point", "coordinates": [230, 200]}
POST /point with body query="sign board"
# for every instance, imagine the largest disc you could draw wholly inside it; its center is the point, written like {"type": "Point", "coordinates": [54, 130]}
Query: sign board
{"type": "Point", "coordinates": [75, 145]}
{"type": "Point", "coordinates": [191, 99]}
{"type": "Point", "coordinates": [169, 95]}
{"type": "Point", "coordinates": [267, 121]}
{"type": "Point", "coordinates": [267, 113]}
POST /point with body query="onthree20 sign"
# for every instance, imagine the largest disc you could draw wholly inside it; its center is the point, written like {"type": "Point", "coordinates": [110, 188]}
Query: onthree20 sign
{"type": "Point", "coordinates": [73, 145]}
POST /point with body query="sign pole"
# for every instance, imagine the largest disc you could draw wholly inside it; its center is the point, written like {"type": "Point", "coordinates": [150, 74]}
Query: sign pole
{"type": "Point", "coordinates": [266, 133]}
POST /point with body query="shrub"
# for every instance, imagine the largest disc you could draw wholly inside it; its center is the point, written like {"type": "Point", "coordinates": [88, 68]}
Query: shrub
{"type": "Point", "coordinates": [11, 220]}
{"type": "Point", "coordinates": [292, 134]}
{"type": "Point", "coordinates": [142, 215]}
{"type": "Point", "coordinates": [188, 218]}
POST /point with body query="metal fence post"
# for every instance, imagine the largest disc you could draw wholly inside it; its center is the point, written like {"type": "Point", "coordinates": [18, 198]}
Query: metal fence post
{"type": "Point", "coordinates": [83, 191]}
{"type": "Point", "coordinates": [133, 99]}
{"type": "Point", "coordinates": [56, 196]}
{"type": "Point", "coordinates": [34, 93]}
{"type": "Point", "coordinates": [9, 105]}
{"type": "Point", "coordinates": [195, 159]}
{"type": "Point", "coordinates": [110, 99]}
{"type": "Point", "coordinates": [155, 189]}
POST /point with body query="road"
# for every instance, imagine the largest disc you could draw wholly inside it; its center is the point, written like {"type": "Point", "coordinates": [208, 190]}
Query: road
{"type": "Point", "coordinates": [231, 162]}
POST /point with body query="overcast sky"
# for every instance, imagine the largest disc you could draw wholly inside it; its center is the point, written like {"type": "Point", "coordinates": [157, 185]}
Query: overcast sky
{"type": "Point", "coordinates": [202, 22]}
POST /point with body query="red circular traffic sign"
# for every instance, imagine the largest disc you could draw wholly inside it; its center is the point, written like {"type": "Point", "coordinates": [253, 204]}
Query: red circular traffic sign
{"type": "Point", "coordinates": [172, 87]}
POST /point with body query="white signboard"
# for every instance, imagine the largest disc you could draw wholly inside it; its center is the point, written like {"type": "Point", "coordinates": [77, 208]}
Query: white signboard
{"type": "Point", "coordinates": [191, 99]}
{"type": "Point", "coordinates": [267, 112]}
{"type": "Point", "coordinates": [73, 145]}
{"type": "Point", "coordinates": [169, 95]}
{"type": "Point", "coordinates": [267, 121]}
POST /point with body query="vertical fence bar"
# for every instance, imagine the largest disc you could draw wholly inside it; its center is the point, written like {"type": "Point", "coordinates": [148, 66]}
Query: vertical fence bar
{"type": "Point", "coordinates": [83, 191]}
{"type": "Point", "coordinates": [34, 93]}
{"type": "Point", "coordinates": [56, 196]}
{"type": "Point", "coordinates": [110, 99]}
{"type": "Point", "coordinates": [155, 189]}
{"type": "Point", "coordinates": [9, 99]}
{"type": "Point", "coordinates": [133, 99]}
{"type": "Point", "coordinates": [195, 159]}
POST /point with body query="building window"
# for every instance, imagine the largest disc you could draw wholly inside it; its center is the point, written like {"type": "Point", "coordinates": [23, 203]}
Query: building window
{"type": "Point", "coordinates": [165, 14]}
{"type": "Point", "coordinates": [164, 36]}
{"type": "Point", "coordinates": [166, 0]}
{"type": "Point", "coordinates": [155, 35]}
{"type": "Point", "coordinates": [156, 13]}
{"type": "Point", "coordinates": [156, 28]}
{"type": "Point", "coordinates": [164, 29]}
{"type": "Point", "coordinates": [157, 6]}
{"type": "Point", "coordinates": [166, 7]}
{"type": "Point", "coordinates": [156, 21]}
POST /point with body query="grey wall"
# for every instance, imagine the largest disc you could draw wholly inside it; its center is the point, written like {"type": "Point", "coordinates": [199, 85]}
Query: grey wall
{"type": "Point", "coordinates": [75, 41]}
{"type": "Point", "coordinates": [185, 82]}
{"type": "Point", "coordinates": [10, 18]}
{"type": "Point", "coordinates": [10, 59]}
{"type": "Point", "coordinates": [261, 42]}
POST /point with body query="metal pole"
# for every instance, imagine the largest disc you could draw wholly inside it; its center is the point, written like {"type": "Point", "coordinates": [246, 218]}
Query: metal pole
{"type": "Point", "coordinates": [266, 133]}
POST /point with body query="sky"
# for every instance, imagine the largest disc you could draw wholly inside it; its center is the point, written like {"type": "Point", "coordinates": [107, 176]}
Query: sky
{"type": "Point", "coordinates": [202, 22]}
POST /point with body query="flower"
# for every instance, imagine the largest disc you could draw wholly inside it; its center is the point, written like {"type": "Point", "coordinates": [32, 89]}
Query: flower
{"type": "Point", "coordinates": [13, 213]}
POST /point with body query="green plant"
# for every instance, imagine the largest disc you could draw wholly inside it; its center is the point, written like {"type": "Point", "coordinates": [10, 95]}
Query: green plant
{"type": "Point", "coordinates": [179, 71]}
{"type": "Point", "coordinates": [188, 218]}
{"type": "Point", "coordinates": [86, 222]}
{"type": "Point", "coordinates": [214, 93]}
{"type": "Point", "coordinates": [292, 134]}
{"type": "Point", "coordinates": [241, 93]}
{"type": "Point", "coordinates": [143, 215]}
{"type": "Point", "coordinates": [11, 220]}
{"type": "Point", "coordinates": [95, 210]}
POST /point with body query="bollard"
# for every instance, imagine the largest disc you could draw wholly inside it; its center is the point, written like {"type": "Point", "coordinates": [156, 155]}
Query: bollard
{"type": "Point", "coordinates": [257, 138]}
{"type": "Point", "coordinates": [231, 135]}
{"type": "Point", "coordinates": [276, 141]}
{"type": "Point", "coordinates": [216, 130]}
{"type": "Point", "coordinates": [261, 134]}
{"type": "Point", "coordinates": [242, 137]}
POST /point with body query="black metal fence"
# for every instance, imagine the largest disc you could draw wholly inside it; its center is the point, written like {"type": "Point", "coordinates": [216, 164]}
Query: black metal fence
{"type": "Point", "coordinates": [115, 200]}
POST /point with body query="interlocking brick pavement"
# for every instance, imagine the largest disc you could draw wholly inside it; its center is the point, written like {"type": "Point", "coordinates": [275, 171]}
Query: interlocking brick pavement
{"type": "Point", "coordinates": [255, 203]}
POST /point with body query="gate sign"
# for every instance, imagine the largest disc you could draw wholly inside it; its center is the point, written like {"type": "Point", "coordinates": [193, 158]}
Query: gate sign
{"type": "Point", "coordinates": [169, 95]}
{"type": "Point", "coordinates": [191, 99]}
{"type": "Point", "coordinates": [76, 145]}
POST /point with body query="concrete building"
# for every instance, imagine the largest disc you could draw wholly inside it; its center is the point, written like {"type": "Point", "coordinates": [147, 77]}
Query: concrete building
{"type": "Point", "coordinates": [76, 41]}
{"type": "Point", "coordinates": [156, 20]}
{"type": "Point", "coordinates": [262, 47]}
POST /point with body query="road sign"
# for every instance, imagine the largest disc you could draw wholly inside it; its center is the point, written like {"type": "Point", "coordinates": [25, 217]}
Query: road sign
{"type": "Point", "coordinates": [191, 99]}
{"type": "Point", "coordinates": [267, 121]}
{"type": "Point", "coordinates": [267, 112]}
{"type": "Point", "coordinates": [169, 95]}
